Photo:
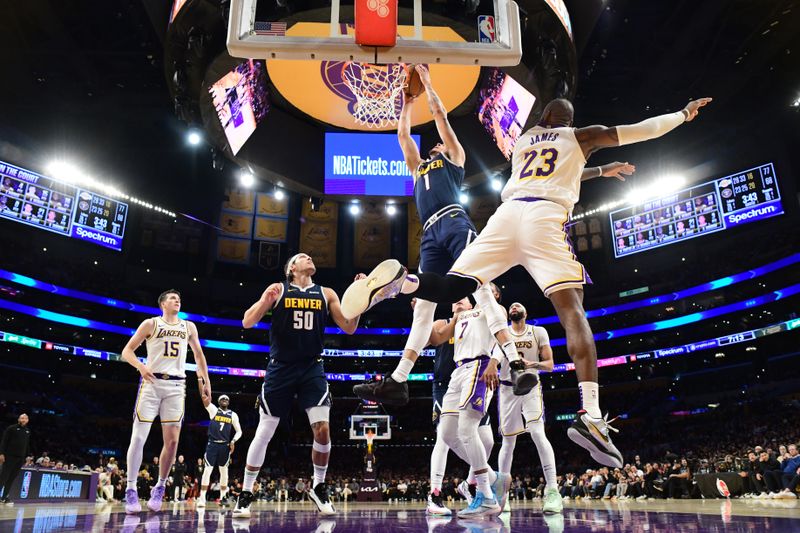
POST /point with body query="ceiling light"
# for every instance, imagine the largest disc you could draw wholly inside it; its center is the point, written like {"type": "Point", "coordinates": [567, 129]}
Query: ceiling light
{"type": "Point", "coordinates": [463, 198]}
{"type": "Point", "coordinates": [354, 209]}
{"type": "Point", "coordinates": [194, 137]}
{"type": "Point", "coordinates": [496, 184]}
{"type": "Point", "coordinates": [279, 194]}
{"type": "Point", "coordinates": [391, 210]}
{"type": "Point", "coordinates": [246, 179]}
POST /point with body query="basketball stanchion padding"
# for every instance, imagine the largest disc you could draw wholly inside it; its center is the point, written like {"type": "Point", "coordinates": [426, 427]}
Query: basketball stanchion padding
{"type": "Point", "coordinates": [376, 22]}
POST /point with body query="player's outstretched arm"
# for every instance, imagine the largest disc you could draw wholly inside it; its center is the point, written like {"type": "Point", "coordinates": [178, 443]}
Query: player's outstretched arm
{"type": "Point", "coordinates": [203, 381]}
{"type": "Point", "coordinates": [257, 311]}
{"type": "Point", "coordinates": [335, 310]}
{"type": "Point", "coordinates": [455, 152]}
{"type": "Point", "coordinates": [442, 331]}
{"type": "Point", "coordinates": [407, 144]}
{"type": "Point", "coordinates": [144, 330]}
{"type": "Point", "coordinates": [611, 170]}
{"type": "Point", "coordinates": [593, 138]}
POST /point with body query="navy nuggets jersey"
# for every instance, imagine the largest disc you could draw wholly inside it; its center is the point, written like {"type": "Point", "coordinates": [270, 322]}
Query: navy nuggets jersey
{"type": "Point", "coordinates": [443, 363]}
{"type": "Point", "coordinates": [298, 323]}
{"type": "Point", "coordinates": [221, 426]}
{"type": "Point", "coordinates": [437, 185]}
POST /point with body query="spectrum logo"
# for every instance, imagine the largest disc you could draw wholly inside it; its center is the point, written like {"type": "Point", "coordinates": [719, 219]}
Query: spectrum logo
{"type": "Point", "coordinates": [98, 237]}
{"type": "Point", "coordinates": [754, 214]}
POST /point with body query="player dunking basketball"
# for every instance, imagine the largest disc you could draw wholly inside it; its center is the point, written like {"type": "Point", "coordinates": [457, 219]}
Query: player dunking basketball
{"type": "Point", "coordinates": [518, 414]}
{"type": "Point", "coordinates": [300, 310]}
{"type": "Point", "coordinates": [528, 229]}
{"type": "Point", "coordinates": [162, 390]}
{"type": "Point", "coordinates": [447, 230]}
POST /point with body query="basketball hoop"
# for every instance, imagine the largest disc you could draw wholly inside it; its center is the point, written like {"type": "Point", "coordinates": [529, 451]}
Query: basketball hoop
{"type": "Point", "coordinates": [377, 90]}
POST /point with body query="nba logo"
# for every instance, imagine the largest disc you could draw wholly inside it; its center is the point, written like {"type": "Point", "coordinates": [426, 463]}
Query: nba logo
{"type": "Point", "coordinates": [486, 29]}
{"type": "Point", "coordinates": [26, 484]}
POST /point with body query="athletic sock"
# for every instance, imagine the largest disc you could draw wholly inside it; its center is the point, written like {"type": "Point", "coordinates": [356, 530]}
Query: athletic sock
{"type": "Point", "coordinates": [162, 482]}
{"type": "Point", "coordinates": [131, 485]}
{"type": "Point", "coordinates": [249, 479]}
{"type": "Point", "coordinates": [202, 494]}
{"type": "Point", "coordinates": [400, 373]}
{"type": "Point", "coordinates": [484, 487]}
{"type": "Point", "coordinates": [319, 474]}
{"type": "Point", "coordinates": [223, 491]}
{"type": "Point", "coordinates": [589, 398]}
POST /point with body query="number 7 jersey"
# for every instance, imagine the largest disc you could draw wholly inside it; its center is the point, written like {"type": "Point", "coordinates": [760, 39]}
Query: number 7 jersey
{"type": "Point", "coordinates": [547, 163]}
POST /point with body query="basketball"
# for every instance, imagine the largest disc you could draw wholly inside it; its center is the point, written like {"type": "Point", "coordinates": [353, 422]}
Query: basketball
{"type": "Point", "coordinates": [414, 86]}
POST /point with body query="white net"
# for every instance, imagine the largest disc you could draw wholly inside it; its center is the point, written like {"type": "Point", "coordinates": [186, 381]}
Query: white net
{"type": "Point", "coordinates": [377, 89]}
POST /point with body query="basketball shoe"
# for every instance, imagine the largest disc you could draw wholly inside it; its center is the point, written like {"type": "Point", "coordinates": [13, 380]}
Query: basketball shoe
{"type": "Point", "coordinates": [481, 506]}
{"type": "Point", "coordinates": [384, 282]}
{"type": "Point", "coordinates": [467, 491]}
{"type": "Point", "coordinates": [132, 504]}
{"type": "Point", "coordinates": [552, 502]}
{"type": "Point", "coordinates": [386, 391]}
{"type": "Point", "coordinates": [319, 495]}
{"type": "Point", "coordinates": [522, 379]}
{"type": "Point", "coordinates": [156, 498]}
{"type": "Point", "coordinates": [500, 488]}
{"type": "Point", "coordinates": [593, 435]}
{"type": "Point", "coordinates": [436, 505]}
{"type": "Point", "coordinates": [242, 508]}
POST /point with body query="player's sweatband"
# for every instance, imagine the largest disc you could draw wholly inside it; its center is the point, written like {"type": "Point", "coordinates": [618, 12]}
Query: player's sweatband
{"type": "Point", "coordinates": [650, 128]}
{"type": "Point", "coordinates": [321, 448]}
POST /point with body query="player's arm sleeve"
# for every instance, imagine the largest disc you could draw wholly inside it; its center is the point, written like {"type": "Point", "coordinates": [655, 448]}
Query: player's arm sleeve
{"type": "Point", "coordinates": [650, 128]}
{"type": "Point", "coordinates": [497, 354]}
{"type": "Point", "coordinates": [212, 410]}
{"type": "Point", "coordinates": [237, 427]}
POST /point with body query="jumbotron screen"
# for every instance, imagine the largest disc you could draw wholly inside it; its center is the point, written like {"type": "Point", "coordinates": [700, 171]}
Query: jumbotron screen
{"type": "Point", "coordinates": [57, 206]}
{"type": "Point", "coordinates": [710, 207]}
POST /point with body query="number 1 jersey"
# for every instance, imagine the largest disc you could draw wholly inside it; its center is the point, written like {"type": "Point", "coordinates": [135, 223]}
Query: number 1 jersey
{"type": "Point", "coordinates": [298, 323]}
{"type": "Point", "coordinates": [547, 164]}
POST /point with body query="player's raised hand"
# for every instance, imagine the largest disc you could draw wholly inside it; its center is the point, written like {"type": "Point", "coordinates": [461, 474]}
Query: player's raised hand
{"type": "Point", "coordinates": [273, 291]}
{"type": "Point", "coordinates": [147, 375]}
{"type": "Point", "coordinates": [694, 106]}
{"type": "Point", "coordinates": [424, 75]}
{"type": "Point", "coordinates": [617, 170]}
{"type": "Point", "coordinates": [205, 389]}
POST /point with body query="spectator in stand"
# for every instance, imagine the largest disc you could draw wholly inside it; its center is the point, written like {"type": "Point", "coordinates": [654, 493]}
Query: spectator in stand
{"type": "Point", "coordinates": [789, 475]}
{"type": "Point", "coordinates": [179, 479]}
{"type": "Point", "coordinates": [153, 467]}
{"type": "Point", "coordinates": [14, 446]}
{"type": "Point", "coordinates": [567, 486]}
{"type": "Point", "coordinates": [299, 490]}
{"type": "Point", "coordinates": [282, 491]}
{"type": "Point", "coordinates": [678, 481]}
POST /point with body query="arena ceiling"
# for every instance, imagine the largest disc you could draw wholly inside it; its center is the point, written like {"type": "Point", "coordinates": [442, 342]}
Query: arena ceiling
{"type": "Point", "coordinates": [88, 82]}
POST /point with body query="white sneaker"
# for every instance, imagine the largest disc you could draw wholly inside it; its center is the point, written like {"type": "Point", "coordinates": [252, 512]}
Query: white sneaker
{"type": "Point", "coordinates": [319, 495]}
{"type": "Point", "coordinates": [481, 506]}
{"type": "Point", "coordinates": [436, 506]}
{"type": "Point", "coordinates": [385, 281]}
{"type": "Point", "coordinates": [463, 489]}
{"type": "Point", "coordinates": [786, 495]}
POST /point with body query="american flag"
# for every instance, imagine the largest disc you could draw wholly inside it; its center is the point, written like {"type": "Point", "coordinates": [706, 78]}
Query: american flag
{"type": "Point", "coordinates": [270, 28]}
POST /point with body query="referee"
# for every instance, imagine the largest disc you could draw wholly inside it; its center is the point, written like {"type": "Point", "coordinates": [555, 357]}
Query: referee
{"type": "Point", "coordinates": [14, 447]}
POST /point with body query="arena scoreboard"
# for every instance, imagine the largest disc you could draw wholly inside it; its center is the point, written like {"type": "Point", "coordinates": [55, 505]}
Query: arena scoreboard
{"type": "Point", "coordinates": [709, 207]}
{"type": "Point", "coordinates": [61, 207]}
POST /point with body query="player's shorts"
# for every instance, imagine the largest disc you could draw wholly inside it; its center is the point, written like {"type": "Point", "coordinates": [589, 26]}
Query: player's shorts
{"type": "Point", "coordinates": [444, 241]}
{"type": "Point", "coordinates": [466, 390]}
{"type": "Point", "coordinates": [531, 234]}
{"type": "Point", "coordinates": [164, 398]}
{"type": "Point", "coordinates": [516, 412]}
{"type": "Point", "coordinates": [217, 454]}
{"type": "Point", "coordinates": [439, 390]}
{"type": "Point", "coordinates": [285, 381]}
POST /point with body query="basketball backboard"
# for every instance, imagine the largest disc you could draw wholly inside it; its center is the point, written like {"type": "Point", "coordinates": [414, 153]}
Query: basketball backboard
{"type": "Point", "coordinates": [380, 425]}
{"type": "Point", "coordinates": [495, 41]}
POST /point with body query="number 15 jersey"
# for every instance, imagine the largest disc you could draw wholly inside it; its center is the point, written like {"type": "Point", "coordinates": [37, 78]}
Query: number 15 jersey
{"type": "Point", "coordinates": [547, 163]}
{"type": "Point", "coordinates": [298, 323]}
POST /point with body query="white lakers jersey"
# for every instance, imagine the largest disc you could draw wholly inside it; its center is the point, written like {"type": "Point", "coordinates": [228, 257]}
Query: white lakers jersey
{"type": "Point", "coordinates": [528, 344]}
{"type": "Point", "coordinates": [472, 337]}
{"type": "Point", "coordinates": [167, 348]}
{"type": "Point", "coordinates": [547, 163]}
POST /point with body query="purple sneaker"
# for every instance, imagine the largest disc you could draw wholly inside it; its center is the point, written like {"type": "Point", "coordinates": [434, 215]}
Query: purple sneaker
{"type": "Point", "coordinates": [132, 504]}
{"type": "Point", "coordinates": [156, 497]}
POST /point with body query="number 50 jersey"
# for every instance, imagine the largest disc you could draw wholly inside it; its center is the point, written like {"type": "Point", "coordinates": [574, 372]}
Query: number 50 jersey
{"type": "Point", "coordinates": [547, 164]}
{"type": "Point", "coordinates": [298, 323]}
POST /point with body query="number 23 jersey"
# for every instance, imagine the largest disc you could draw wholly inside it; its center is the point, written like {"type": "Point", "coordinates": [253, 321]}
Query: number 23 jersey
{"type": "Point", "coordinates": [547, 163]}
{"type": "Point", "coordinates": [298, 323]}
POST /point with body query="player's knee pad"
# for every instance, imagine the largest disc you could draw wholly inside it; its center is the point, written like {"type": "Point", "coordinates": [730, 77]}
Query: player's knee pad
{"type": "Point", "coordinates": [267, 425]}
{"type": "Point", "coordinates": [495, 317]}
{"type": "Point", "coordinates": [421, 326]}
{"type": "Point", "coordinates": [321, 448]}
{"type": "Point", "coordinates": [223, 476]}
